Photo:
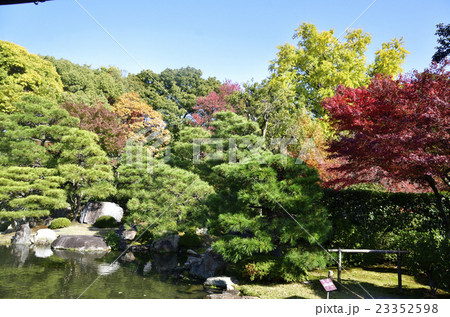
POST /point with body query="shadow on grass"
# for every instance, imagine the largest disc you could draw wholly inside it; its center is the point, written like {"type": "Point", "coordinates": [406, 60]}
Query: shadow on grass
{"type": "Point", "coordinates": [381, 269]}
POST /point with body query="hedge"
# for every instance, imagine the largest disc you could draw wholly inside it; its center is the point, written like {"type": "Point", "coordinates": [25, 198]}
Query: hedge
{"type": "Point", "coordinates": [366, 219]}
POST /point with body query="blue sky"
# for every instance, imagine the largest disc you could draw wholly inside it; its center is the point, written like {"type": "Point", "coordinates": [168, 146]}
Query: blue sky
{"type": "Point", "coordinates": [226, 39]}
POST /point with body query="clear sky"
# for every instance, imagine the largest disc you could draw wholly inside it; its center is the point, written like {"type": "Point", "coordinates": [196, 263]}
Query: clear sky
{"type": "Point", "coordinates": [226, 39]}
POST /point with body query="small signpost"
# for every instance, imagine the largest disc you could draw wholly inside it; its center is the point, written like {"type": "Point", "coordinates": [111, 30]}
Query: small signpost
{"type": "Point", "coordinates": [328, 285]}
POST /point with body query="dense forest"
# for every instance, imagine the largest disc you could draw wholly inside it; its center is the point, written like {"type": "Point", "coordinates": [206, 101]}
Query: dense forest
{"type": "Point", "coordinates": [329, 150]}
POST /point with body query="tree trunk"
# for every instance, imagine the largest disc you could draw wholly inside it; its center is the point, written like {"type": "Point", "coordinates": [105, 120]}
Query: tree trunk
{"type": "Point", "coordinates": [77, 207]}
{"type": "Point", "coordinates": [431, 282]}
{"type": "Point", "coordinates": [265, 129]}
{"type": "Point", "coordinates": [439, 203]}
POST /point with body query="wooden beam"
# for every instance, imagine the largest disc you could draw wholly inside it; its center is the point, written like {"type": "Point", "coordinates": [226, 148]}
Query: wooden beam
{"type": "Point", "coordinates": [399, 269]}
{"type": "Point", "coordinates": [366, 251]}
{"type": "Point", "coordinates": [339, 269]}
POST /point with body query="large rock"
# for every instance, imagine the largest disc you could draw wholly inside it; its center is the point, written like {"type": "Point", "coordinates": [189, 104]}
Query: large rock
{"type": "Point", "coordinates": [94, 210]}
{"type": "Point", "coordinates": [22, 236]}
{"type": "Point", "coordinates": [220, 281]}
{"type": "Point", "coordinates": [167, 244]}
{"type": "Point", "coordinates": [44, 237]}
{"type": "Point", "coordinates": [210, 264]}
{"type": "Point", "coordinates": [128, 234]}
{"type": "Point", "coordinates": [80, 243]}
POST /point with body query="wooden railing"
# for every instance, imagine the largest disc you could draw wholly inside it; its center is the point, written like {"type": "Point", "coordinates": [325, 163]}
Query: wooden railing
{"type": "Point", "coordinates": [398, 252]}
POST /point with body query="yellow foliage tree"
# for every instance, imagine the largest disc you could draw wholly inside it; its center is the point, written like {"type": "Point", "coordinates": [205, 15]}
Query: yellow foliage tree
{"type": "Point", "coordinates": [23, 73]}
{"type": "Point", "coordinates": [145, 125]}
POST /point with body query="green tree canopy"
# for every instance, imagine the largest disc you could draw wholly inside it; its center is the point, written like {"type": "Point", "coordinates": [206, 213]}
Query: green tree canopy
{"type": "Point", "coordinates": [30, 192]}
{"type": "Point", "coordinates": [43, 135]}
{"type": "Point", "coordinates": [156, 193]}
{"type": "Point", "coordinates": [256, 210]}
{"type": "Point", "coordinates": [443, 50]}
{"type": "Point", "coordinates": [320, 61]}
{"type": "Point", "coordinates": [22, 73]}
{"type": "Point", "coordinates": [173, 92]}
{"type": "Point", "coordinates": [82, 84]}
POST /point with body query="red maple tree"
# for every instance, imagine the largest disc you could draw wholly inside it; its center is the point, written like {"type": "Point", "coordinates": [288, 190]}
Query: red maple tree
{"type": "Point", "coordinates": [105, 123]}
{"type": "Point", "coordinates": [395, 129]}
{"type": "Point", "coordinates": [214, 102]}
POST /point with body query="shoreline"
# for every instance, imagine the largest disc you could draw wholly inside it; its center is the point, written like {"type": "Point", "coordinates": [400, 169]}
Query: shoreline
{"type": "Point", "coordinates": [74, 230]}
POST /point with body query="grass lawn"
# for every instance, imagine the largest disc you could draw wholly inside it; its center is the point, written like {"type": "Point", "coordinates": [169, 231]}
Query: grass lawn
{"type": "Point", "coordinates": [378, 281]}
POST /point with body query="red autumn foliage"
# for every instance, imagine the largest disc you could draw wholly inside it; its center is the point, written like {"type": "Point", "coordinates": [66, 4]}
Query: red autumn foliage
{"type": "Point", "coordinates": [214, 102]}
{"type": "Point", "coordinates": [111, 132]}
{"type": "Point", "coordinates": [396, 130]}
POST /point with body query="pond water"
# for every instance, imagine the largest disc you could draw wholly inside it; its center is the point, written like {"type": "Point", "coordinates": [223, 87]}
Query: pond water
{"type": "Point", "coordinates": [42, 273]}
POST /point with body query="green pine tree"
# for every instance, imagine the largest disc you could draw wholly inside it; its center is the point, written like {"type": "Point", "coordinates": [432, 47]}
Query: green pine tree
{"type": "Point", "coordinates": [42, 135]}
{"type": "Point", "coordinates": [155, 193]}
{"type": "Point", "coordinates": [30, 192]}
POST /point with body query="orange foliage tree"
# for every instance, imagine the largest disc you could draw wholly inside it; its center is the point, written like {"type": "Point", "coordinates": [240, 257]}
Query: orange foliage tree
{"type": "Point", "coordinates": [145, 125]}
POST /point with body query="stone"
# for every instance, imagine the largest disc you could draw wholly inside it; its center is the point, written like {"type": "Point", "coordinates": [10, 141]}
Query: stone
{"type": "Point", "coordinates": [220, 281]}
{"type": "Point", "coordinates": [201, 231]}
{"type": "Point", "coordinates": [192, 260]}
{"type": "Point", "coordinates": [44, 237]}
{"type": "Point", "coordinates": [139, 248]}
{"type": "Point", "coordinates": [80, 243]}
{"type": "Point", "coordinates": [94, 210]}
{"type": "Point", "coordinates": [210, 264]}
{"type": "Point", "coordinates": [128, 257]}
{"type": "Point", "coordinates": [47, 221]}
{"type": "Point", "coordinates": [22, 236]}
{"type": "Point", "coordinates": [191, 252]}
{"type": "Point", "coordinates": [128, 234]}
{"type": "Point", "coordinates": [167, 244]}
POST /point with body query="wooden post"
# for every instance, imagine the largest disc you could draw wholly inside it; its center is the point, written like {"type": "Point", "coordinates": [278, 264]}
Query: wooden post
{"type": "Point", "coordinates": [339, 268]}
{"type": "Point", "coordinates": [399, 269]}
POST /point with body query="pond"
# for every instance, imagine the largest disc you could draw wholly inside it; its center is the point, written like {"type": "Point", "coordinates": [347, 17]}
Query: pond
{"type": "Point", "coordinates": [42, 273]}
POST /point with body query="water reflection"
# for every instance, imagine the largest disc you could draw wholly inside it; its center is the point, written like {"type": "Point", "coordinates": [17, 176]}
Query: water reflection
{"type": "Point", "coordinates": [44, 273]}
{"type": "Point", "coordinates": [21, 253]}
{"type": "Point", "coordinates": [106, 269]}
{"type": "Point", "coordinates": [42, 252]}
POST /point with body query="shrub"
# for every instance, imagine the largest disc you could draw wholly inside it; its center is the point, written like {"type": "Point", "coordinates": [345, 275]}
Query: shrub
{"type": "Point", "coordinates": [60, 223]}
{"type": "Point", "coordinates": [429, 254]}
{"type": "Point", "coordinates": [261, 270]}
{"type": "Point", "coordinates": [105, 222]}
{"type": "Point", "coordinates": [293, 267]}
{"type": "Point", "coordinates": [190, 240]}
{"type": "Point", "coordinates": [113, 240]}
{"type": "Point", "coordinates": [144, 234]}
{"type": "Point", "coordinates": [369, 219]}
